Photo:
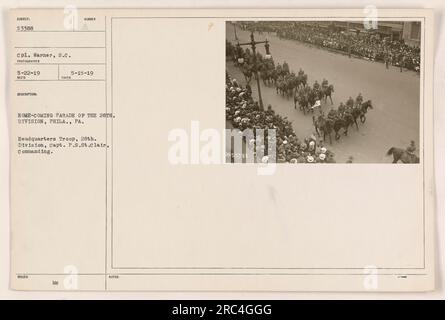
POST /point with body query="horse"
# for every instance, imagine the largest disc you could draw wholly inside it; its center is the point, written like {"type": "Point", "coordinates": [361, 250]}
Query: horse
{"type": "Point", "coordinates": [274, 75]}
{"type": "Point", "coordinates": [292, 83]}
{"type": "Point", "coordinates": [403, 155]}
{"type": "Point", "coordinates": [266, 77]}
{"type": "Point", "coordinates": [284, 87]}
{"type": "Point", "coordinates": [360, 112]}
{"type": "Point", "coordinates": [303, 80]}
{"type": "Point", "coordinates": [280, 86]}
{"type": "Point", "coordinates": [344, 123]}
{"type": "Point", "coordinates": [312, 97]}
{"type": "Point", "coordinates": [324, 125]}
{"type": "Point", "coordinates": [364, 108]}
{"type": "Point", "coordinates": [304, 105]}
{"type": "Point", "coordinates": [302, 101]}
{"type": "Point", "coordinates": [327, 92]}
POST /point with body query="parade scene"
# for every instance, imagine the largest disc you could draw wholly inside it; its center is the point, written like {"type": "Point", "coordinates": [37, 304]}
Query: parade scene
{"type": "Point", "coordinates": [334, 92]}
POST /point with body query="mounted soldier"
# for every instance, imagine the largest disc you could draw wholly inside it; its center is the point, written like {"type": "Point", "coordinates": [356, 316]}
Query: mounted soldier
{"type": "Point", "coordinates": [411, 148]}
{"type": "Point", "coordinates": [405, 155]}
{"type": "Point", "coordinates": [285, 68]}
{"type": "Point", "coordinates": [332, 115]}
{"type": "Point", "coordinates": [341, 108]}
{"type": "Point", "coordinates": [359, 100]}
{"type": "Point", "coordinates": [347, 112]}
{"type": "Point", "coordinates": [350, 103]}
{"type": "Point", "coordinates": [279, 69]}
{"type": "Point", "coordinates": [324, 83]}
{"type": "Point", "coordinates": [316, 86]}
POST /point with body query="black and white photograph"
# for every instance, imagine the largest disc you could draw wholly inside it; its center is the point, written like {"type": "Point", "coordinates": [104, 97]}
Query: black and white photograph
{"type": "Point", "coordinates": [332, 91]}
{"type": "Point", "coordinates": [168, 151]}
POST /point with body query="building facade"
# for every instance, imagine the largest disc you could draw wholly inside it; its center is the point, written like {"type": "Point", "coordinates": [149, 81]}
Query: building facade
{"type": "Point", "coordinates": [412, 33]}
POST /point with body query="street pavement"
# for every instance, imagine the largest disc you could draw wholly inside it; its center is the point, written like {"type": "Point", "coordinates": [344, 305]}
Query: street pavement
{"type": "Point", "coordinates": [395, 96]}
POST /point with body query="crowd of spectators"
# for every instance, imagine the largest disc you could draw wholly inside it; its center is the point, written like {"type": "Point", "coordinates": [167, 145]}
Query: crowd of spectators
{"type": "Point", "coordinates": [244, 113]}
{"type": "Point", "coordinates": [368, 45]}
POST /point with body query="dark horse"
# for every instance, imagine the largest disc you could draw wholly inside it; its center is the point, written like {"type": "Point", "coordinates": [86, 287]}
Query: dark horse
{"type": "Point", "coordinates": [360, 112]}
{"type": "Point", "coordinates": [403, 155]}
{"type": "Point", "coordinates": [327, 92]}
{"type": "Point", "coordinates": [268, 77]}
{"type": "Point", "coordinates": [344, 123]}
{"type": "Point", "coordinates": [302, 101]}
{"type": "Point", "coordinates": [325, 125]}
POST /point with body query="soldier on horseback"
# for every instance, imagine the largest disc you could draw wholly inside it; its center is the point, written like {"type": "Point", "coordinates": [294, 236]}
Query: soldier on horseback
{"type": "Point", "coordinates": [347, 112]}
{"type": "Point", "coordinates": [332, 115]}
{"type": "Point", "coordinates": [324, 83]}
{"type": "Point", "coordinates": [285, 67]}
{"type": "Point", "coordinates": [341, 108]}
{"type": "Point", "coordinates": [350, 103]}
{"type": "Point", "coordinates": [405, 155]}
{"type": "Point", "coordinates": [359, 100]}
{"type": "Point", "coordinates": [279, 69]}
{"type": "Point", "coordinates": [316, 86]}
{"type": "Point", "coordinates": [411, 148]}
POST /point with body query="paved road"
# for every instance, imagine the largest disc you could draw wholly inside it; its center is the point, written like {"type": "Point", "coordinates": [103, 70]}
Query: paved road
{"type": "Point", "coordinates": [394, 121]}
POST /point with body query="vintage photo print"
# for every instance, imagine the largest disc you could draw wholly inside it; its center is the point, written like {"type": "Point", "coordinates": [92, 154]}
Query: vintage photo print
{"type": "Point", "coordinates": [323, 91]}
{"type": "Point", "coordinates": [165, 150]}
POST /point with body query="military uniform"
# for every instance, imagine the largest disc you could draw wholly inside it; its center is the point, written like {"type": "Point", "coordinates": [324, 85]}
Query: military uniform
{"type": "Point", "coordinates": [332, 115]}
{"type": "Point", "coordinates": [316, 86]}
{"type": "Point", "coordinates": [350, 102]}
{"type": "Point", "coordinates": [325, 83]}
{"type": "Point", "coordinates": [341, 108]}
{"type": "Point", "coordinates": [359, 99]}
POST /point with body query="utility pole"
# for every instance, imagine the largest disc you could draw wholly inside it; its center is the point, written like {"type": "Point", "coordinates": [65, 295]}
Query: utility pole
{"type": "Point", "coordinates": [253, 44]}
{"type": "Point", "coordinates": [234, 27]}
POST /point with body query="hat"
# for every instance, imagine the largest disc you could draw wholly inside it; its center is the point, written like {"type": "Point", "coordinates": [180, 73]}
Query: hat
{"type": "Point", "coordinates": [323, 150]}
{"type": "Point", "coordinates": [322, 156]}
{"type": "Point", "coordinates": [312, 143]}
{"type": "Point", "coordinates": [265, 159]}
{"type": "Point", "coordinates": [293, 160]}
{"type": "Point", "coordinates": [310, 159]}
